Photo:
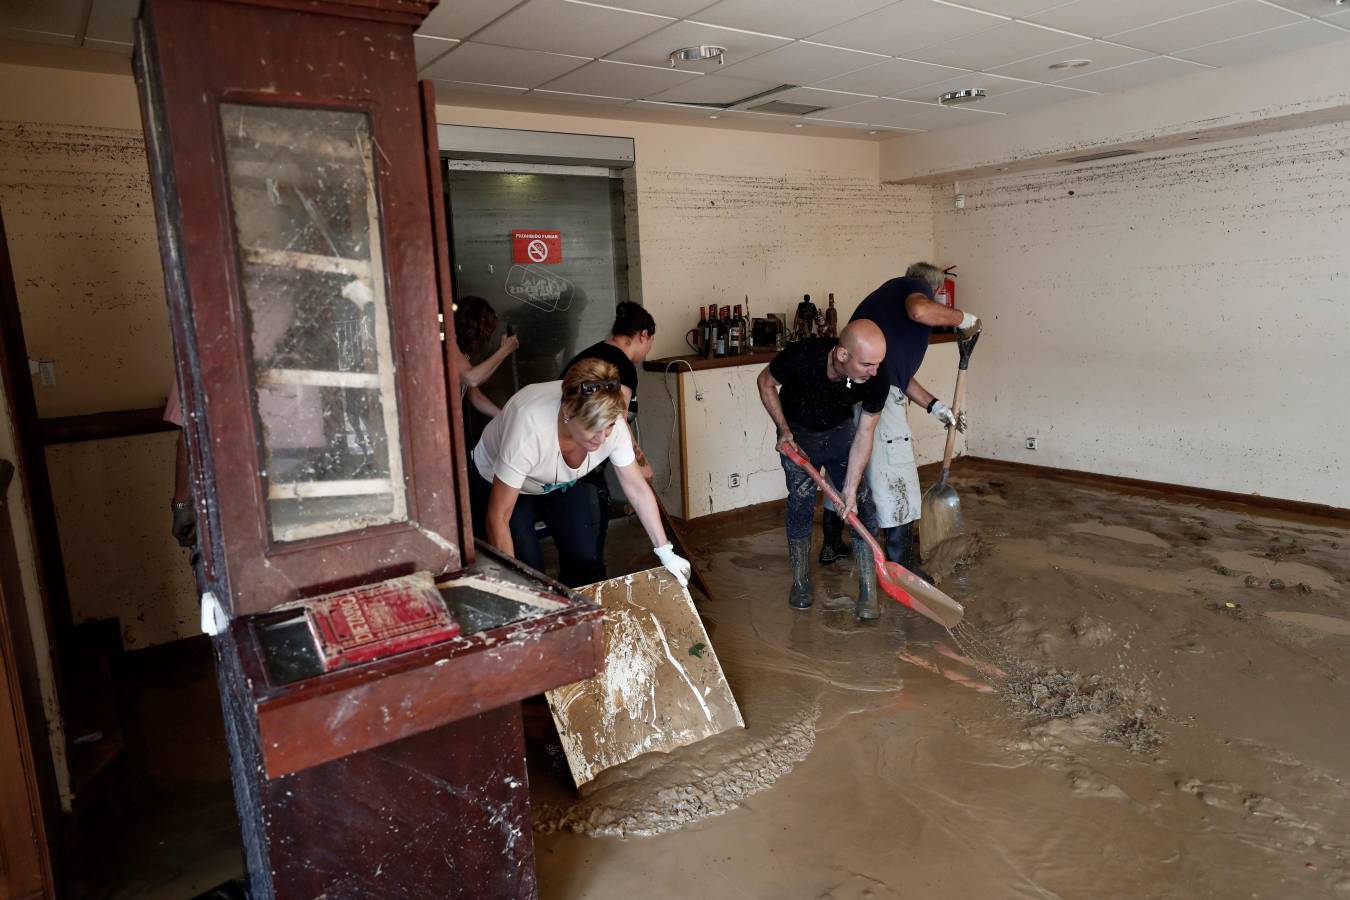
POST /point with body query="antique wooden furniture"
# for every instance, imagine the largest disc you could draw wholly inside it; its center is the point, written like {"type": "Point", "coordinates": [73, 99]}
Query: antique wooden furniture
{"type": "Point", "coordinates": [298, 195]}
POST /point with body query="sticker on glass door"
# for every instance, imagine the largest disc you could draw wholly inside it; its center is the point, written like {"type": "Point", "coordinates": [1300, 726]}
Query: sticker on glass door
{"type": "Point", "coordinates": [540, 288]}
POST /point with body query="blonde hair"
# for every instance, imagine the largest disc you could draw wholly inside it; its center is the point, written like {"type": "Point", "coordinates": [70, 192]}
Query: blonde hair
{"type": "Point", "coordinates": [592, 395]}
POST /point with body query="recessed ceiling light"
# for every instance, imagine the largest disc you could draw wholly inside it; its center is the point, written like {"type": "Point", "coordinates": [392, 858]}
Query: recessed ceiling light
{"type": "Point", "coordinates": [874, 132]}
{"type": "Point", "coordinates": [698, 53]}
{"type": "Point", "coordinates": [714, 116]}
{"type": "Point", "coordinates": [966, 95]}
{"type": "Point", "coordinates": [1071, 64]}
{"type": "Point", "coordinates": [796, 124]}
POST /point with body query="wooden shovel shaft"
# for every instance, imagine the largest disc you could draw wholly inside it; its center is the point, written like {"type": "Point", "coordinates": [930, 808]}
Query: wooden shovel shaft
{"type": "Point", "coordinates": [958, 404]}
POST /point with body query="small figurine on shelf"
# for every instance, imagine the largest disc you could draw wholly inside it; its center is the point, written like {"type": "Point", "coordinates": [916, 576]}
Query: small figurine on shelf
{"type": "Point", "coordinates": [831, 320]}
{"type": "Point", "coordinates": [804, 322]}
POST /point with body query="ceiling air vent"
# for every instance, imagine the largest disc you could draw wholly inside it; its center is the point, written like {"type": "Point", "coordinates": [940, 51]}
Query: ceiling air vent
{"type": "Point", "coordinates": [784, 108]}
{"type": "Point", "coordinates": [1092, 157]}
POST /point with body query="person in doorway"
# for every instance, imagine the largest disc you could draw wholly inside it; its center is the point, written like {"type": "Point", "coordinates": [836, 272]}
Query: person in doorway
{"type": "Point", "coordinates": [475, 322]}
{"type": "Point", "coordinates": [821, 380]}
{"type": "Point", "coordinates": [629, 342]}
{"type": "Point", "coordinates": [906, 312]}
{"type": "Point", "coordinates": [530, 458]}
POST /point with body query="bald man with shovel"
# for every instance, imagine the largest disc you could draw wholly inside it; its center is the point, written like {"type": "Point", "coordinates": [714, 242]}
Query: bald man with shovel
{"type": "Point", "coordinates": [821, 379]}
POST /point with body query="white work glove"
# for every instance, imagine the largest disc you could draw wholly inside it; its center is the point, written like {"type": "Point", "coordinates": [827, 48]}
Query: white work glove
{"type": "Point", "coordinates": [970, 325]}
{"type": "Point", "coordinates": [944, 415]}
{"type": "Point", "coordinates": [675, 564]}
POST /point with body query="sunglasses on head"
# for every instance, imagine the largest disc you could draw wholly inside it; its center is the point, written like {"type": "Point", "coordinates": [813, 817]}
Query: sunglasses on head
{"type": "Point", "coordinates": [586, 388]}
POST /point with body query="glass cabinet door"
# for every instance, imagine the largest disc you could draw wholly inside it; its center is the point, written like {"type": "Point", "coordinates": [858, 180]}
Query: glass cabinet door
{"type": "Point", "coordinates": [307, 229]}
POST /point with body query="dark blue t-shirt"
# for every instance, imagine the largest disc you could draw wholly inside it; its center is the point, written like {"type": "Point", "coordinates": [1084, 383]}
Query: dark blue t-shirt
{"type": "Point", "coordinates": [906, 340]}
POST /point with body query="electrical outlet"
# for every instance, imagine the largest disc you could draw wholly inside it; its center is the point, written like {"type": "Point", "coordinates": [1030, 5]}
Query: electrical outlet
{"type": "Point", "coordinates": [1031, 443]}
{"type": "Point", "coordinates": [734, 480]}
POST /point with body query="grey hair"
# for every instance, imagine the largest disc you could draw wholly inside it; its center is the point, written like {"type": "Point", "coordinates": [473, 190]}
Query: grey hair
{"type": "Point", "coordinates": [928, 272]}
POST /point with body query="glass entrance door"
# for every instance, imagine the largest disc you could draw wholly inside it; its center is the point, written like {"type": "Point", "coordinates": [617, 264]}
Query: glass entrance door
{"type": "Point", "coordinates": [546, 249]}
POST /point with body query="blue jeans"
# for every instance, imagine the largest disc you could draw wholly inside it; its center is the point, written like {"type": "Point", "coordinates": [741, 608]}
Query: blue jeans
{"type": "Point", "coordinates": [573, 517]}
{"type": "Point", "coordinates": [828, 451]}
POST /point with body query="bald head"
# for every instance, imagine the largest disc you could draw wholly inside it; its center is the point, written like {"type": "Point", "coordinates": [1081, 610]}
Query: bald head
{"type": "Point", "coordinates": [862, 347]}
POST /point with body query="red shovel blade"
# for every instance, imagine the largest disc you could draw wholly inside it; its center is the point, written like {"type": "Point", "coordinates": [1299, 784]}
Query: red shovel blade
{"type": "Point", "coordinates": [895, 580]}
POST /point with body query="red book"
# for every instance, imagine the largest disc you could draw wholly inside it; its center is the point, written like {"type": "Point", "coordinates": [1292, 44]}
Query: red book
{"type": "Point", "coordinates": [378, 620]}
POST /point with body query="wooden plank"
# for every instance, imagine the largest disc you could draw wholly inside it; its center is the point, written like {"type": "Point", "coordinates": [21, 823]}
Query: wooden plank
{"type": "Point", "coordinates": [318, 378]}
{"type": "Point", "coordinates": [662, 686]}
{"type": "Point", "coordinates": [105, 425]}
{"type": "Point", "coordinates": [684, 450]}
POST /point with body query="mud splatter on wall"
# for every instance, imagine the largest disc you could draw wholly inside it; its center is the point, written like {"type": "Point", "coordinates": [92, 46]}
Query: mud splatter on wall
{"type": "Point", "coordinates": [1179, 317]}
{"type": "Point", "coordinates": [82, 236]}
{"type": "Point", "coordinates": [81, 231]}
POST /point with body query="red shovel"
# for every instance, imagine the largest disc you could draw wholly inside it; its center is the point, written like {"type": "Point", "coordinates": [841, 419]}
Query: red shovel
{"type": "Point", "coordinates": [898, 582]}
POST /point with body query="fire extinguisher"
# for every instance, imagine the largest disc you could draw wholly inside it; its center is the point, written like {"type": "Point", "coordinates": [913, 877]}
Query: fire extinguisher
{"type": "Point", "coordinates": [946, 295]}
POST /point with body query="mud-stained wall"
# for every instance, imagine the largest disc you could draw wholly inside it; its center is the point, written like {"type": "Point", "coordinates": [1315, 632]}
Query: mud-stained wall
{"type": "Point", "coordinates": [113, 514]}
{"type": "Point", "coordinates": [81, 229]}
{"type": "Point", "coordinates": [1180, 317]}
{"type": "Point", "coordinates": [75, 189]}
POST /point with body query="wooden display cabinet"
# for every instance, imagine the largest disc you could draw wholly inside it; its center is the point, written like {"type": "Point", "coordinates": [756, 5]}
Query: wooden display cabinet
{"type": "Point", "coordinates": [297, 188]}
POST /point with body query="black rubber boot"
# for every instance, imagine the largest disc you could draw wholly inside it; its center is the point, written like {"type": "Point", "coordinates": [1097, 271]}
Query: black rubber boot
{"type": "Point", "coordinates": [835, 545]}
{"type": "Point", "coordinates": [900, 548]}
{"type": "Point", "coordinates": [867, 607]}
{"type": "Point", "coordinates": [799, 556]}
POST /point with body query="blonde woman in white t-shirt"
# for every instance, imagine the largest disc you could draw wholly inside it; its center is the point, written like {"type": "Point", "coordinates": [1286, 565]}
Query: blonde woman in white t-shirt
{"type": "Point", "coordinates": [548, 436]}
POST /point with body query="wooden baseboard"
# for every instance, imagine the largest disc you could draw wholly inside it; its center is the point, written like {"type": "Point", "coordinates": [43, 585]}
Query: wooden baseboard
{"type": "Point", "coordinates": [1225, 499]}
{"type": "Point", "coordinates": [717, 518]}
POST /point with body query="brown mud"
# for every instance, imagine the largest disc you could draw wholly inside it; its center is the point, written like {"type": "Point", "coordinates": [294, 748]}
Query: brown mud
{"type": "Point", "coordinates": [1147, 700]}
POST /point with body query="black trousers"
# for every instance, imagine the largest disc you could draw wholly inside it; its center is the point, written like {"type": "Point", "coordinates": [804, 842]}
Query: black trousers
{"type": "Point", "coordinates": [573, 517]}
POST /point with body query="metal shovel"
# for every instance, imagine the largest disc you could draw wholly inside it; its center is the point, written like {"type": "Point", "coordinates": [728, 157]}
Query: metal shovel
{"type": "Point", "coordinates": [941, 518]}
{"type": "Point", "coordinates": [895, 580]}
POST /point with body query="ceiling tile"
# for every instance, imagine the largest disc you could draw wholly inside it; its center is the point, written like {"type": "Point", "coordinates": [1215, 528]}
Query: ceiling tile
{"type": "Point", "coordinates": [676, 8]}
{"type": "Point", "coordinates": [713, 89]}
{"type": "Point", "coordinates": [111, 20]}
{"type": "Point", "coordinates": [1221, 23]}
{"type": "Point", "coordinates": [1323, 8]}
{"type": "Point", "coordinates": [430, 49]}
{"type": "Point", "coordinates": [1033, 97]}
{"type": "Point", "coordinates": [655, 49]}
{"type": "Point", "coordinates": [1341, 18]}
{"type": "Point", "coordinates": [53, 18]}
{"type": "Point", "coordinates": [992, 84]}
{"type": "Point", "coordinates": [565, 97]}
{"type": "Point", "coordinates": [908, 25]}
{"type": "Point", "coordinates": [616, 79]}
{"type": "Point", "coordinates": [890, 78]}
{"type": "Point", "coordinates": [801, 63]}
{"type": "Point", "coordinates": [485, 64]}
{"type": "Point", "coordinates": [1308, 33]}
{"type": "Point", "coordinates": [794, 18]}
{"type": "Point", "coordinates": [1103, 54]}
{"type": "Point", "coordinates": [1098, 18]}
{"type": "Point", "coordinates": [877, 112]}
{"type": "Point", "coordinates": [448, 89]}
{"type": "Point", "coordinates": [829, 100]}
{"type": "Point", "coordinates": [1018, 9]}
{"type": "Point", "coordinates": [563, 27]}
{"type": "Point", "coordinates": [1159, 68]}
{"type": "Point", "coordinates": [996, 46]}
{"type": "Point", "coordinates": [461, 18]}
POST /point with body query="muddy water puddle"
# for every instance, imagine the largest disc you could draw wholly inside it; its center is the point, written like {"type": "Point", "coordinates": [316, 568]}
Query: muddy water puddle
{"type": "Point", "coordinates": [898, 760]}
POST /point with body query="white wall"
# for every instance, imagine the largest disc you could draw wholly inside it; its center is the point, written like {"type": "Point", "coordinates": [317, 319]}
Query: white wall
{"type": "Point", "coordinates": [1181, 317]}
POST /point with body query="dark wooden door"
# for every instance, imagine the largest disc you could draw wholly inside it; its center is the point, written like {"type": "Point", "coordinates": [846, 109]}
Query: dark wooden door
{"type": "Point", "coordinates": [25, 867]}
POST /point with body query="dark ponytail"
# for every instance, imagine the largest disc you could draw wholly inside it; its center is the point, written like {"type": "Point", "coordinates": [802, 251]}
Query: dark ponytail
{"type": "Point", "coordinates": [631, 318]}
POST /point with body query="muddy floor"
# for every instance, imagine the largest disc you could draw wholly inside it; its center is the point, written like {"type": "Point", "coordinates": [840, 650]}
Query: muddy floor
{"type": "Point", "coordinates": [1150, 699]}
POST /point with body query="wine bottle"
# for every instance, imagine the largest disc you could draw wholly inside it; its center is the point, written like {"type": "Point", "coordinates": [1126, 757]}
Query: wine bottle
{"type": "Point", "coordinates": [701, 330]}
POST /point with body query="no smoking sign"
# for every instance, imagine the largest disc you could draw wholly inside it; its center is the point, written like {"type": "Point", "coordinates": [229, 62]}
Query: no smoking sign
{"type": "Point", "coordinates": [536, 247]}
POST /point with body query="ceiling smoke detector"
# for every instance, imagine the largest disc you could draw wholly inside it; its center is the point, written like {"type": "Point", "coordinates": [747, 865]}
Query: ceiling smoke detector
{"type": "Point", "coordinates": [1071, 64]}
{"type": "Point", "coordinates": [699, 53]}
{"type": "Point", "coordinates": [967, 95]}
